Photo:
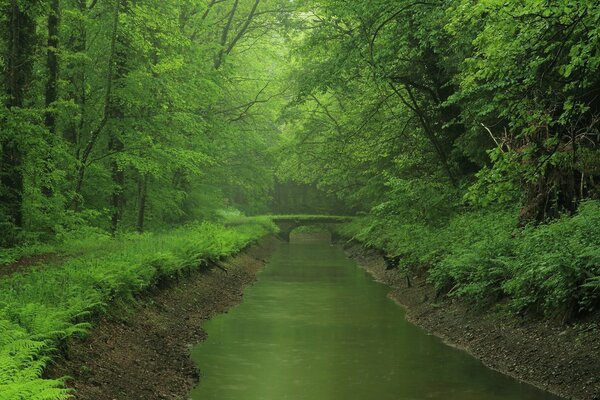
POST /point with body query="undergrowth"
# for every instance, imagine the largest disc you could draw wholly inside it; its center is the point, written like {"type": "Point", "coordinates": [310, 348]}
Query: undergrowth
{"type": "Point", "coordinates": [483, 257]}
{"type": "Point", "coordinates": [42, 307]}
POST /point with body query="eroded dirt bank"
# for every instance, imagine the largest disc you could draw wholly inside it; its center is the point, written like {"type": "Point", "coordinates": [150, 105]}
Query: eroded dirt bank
{"type": "Point", "coordinates": [144, 353]}
{"type": "Point", "coordinates": [561, 359]}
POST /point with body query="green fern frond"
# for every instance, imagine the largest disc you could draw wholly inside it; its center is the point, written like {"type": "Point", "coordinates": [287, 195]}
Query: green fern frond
{"type": "Point", "coordinates": [38, 389]}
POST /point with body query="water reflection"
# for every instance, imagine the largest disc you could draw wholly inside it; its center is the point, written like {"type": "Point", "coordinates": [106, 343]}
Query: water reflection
{"type": "Point", "coordinates": [316, 327]}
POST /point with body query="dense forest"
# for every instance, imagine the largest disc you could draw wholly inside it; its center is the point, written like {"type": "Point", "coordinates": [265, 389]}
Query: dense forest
{"type": "Point", "coordinates": [462, 134]}
{"type": "Point", "coordinates": [126, 115]}
{"type": "Point", "coordinates": [468, 131]}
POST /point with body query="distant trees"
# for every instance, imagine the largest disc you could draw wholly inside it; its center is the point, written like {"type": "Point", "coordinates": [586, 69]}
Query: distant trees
{"type": "Point", "coordinates": [499, 99]}
{"type": "Point", "coordinates": [129, 115]}
{"type": "Point", "coordinates": [124, 114]}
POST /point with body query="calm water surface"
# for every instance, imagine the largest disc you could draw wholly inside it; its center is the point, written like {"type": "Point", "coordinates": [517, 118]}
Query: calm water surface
{"type": "Point", "coordinates": [317, 327]}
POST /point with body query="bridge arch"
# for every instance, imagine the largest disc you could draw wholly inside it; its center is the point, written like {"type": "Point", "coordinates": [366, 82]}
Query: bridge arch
{"type": "Point", "coordinates": [287, 224]}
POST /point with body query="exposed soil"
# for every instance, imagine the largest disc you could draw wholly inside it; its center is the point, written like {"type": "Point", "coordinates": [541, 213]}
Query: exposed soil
{"type": "Point", "coordinates": [25, 263]}
{"type": "Point", "coordinates": [563, 359]}
{"type": "Point", "coordinates": [145, 353]}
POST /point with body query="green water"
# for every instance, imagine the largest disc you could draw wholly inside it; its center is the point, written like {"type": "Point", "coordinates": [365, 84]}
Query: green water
{"type": "Point", "coordinates": [317, 327]}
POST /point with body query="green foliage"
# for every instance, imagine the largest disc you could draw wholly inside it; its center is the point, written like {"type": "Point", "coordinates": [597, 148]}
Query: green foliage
{"type": "Point", "coordinates": [467, 130]}
{"type": "Point", "coordinates": [418, 200]}
{"type": "Point", "coordinates": [482, 257]}
{"type": "Point", "coordinates": [148, 129]}
{"type": "Point", "coordinates": [438, 120]}
{"type": "Point", "coordinates": [35, 317]}
{"type": "Point", "coordinates": [556, 265]}
{"type": "Point", "coordinates": [500, 183]}
{"type": "Point", "coordinates": [474, 262]}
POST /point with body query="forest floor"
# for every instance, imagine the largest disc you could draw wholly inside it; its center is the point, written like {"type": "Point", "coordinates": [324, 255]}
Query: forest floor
{"type": "Point", "coordinates": [143, 351]}
{"type": "Point", "coordinates": [562, 359]}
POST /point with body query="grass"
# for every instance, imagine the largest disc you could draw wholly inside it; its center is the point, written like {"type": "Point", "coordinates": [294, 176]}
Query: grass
{"type": "Point", "coordinates": [45, 305]}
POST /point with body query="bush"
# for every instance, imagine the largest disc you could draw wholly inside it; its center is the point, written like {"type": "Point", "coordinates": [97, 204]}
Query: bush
{"type": "Point", "coordinates": [482, 257]}
{"type": "Point", "coordinates": [473, 260]}
{"type": "Point", "coordinates": [557, 264]}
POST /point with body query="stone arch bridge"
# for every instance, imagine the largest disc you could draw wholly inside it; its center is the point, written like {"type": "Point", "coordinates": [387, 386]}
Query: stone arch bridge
{"type": "Point", "coordinates": [287, 223]}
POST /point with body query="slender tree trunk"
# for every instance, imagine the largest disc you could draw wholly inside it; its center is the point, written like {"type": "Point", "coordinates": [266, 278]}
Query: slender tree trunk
{"type": "Point", "coordinates": [142, 197]}
{"type": "Point", "coordinates": [118, 176]}
{"type": "Point", "coordinates": [52, 63]}
{"type": "Point", "coordinates": [51, 86]}
{"type": "Point", "coordinates": [428, 132]}
{"type": "Point", "coordinates": [20, 35]}
{"type": "Point", "coordinates": [12, 182]}
{"type": "Point", "coordinates": [143, 178]}
{"type": "Point", "coordinates": [87, 151]}
{"type": "Point", "coordinates": [77, 43]}
{"type": "Point", "coordinates": [115, 143]}
{"type": "Point", "coordinates": [225, 35]}
{"type": "Point", "coordinates": [244, 27]}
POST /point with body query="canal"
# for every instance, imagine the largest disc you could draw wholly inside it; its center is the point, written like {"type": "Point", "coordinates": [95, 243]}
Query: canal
{"type": "Point", "coordinates": [317, 327]}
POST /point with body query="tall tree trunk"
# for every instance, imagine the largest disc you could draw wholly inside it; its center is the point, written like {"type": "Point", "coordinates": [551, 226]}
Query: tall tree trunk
{"type": "Point", "coordinates": [20, 36]}
{"type": "Point", "coordinates": [77, 43]}
{"type": "Point", "coordinates": [142, 197]}
{"type": "Point", "coordinates": [118, 176]}
{"type": "Point", "coordinates": [52, 64]}
{"type": "Point", "coordinates": [51, 87]}
{"type": "Point", "coordinates": [115, 143]}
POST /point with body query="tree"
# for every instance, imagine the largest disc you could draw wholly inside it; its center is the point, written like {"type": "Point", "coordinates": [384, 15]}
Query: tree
{"type": "Point", "coordinates": [19, 35]}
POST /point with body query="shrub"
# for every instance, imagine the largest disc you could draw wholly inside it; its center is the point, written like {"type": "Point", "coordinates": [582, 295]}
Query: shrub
{"type": "Point", "coordinates": [557, 264]}
{"type": "Point", "coordinates": [482, 257]}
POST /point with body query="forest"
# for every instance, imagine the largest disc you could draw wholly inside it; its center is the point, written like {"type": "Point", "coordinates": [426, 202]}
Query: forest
{"type": "Point", "coordinates": [140, 138]}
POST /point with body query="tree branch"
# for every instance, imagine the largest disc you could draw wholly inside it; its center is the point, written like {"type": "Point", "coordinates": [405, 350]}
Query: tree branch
{"type": "Point", "coordinates": [225, 34]}
{"type": "Point", "coordinates": [244, 27]}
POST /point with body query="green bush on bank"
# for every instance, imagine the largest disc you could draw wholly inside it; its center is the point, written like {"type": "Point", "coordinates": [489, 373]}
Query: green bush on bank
{"type": "Point", "coordinates": [483, 257]}
{"type": "Point", "coordinates": [42, 307]}
{"type": "Point", "coordinates": [556, 268]}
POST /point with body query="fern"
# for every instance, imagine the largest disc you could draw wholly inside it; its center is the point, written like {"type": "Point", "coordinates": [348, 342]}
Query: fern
{"type": "Point", "coordinates": [37, 389]}
{"type": "Point", "coordinates": [41, 308]}
{"type": "Point", "coordinates": [593, 283]}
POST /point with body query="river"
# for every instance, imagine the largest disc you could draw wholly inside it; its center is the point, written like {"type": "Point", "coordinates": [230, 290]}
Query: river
{"type": "Point", "coordinates": [317, 327]}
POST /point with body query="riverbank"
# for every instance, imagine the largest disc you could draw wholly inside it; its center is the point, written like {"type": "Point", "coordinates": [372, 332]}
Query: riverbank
{"type": "Point", "coordinates": [44, 306]}
{"type": "Point", "coordinates": [143, 352]}
{"type": "Point", "coordinates": [562, 359]}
